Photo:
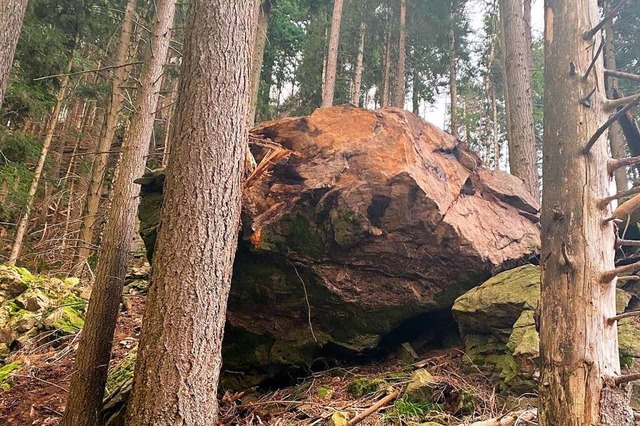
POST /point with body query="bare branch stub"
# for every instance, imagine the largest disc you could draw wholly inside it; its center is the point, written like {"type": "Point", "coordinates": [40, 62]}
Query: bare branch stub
{"type": "Point", "coordinates": [620, 194]}
{"type": "Point", "coordinates": [610, 121]}
{"type": "Point", "coordinates": [625, 269]}
{"type": "Point", "coordinates": [629, 314]}
{"type": "Point", "coordinates": [622, 75]}
{"type": "Point", "coordinates": [609, 16]}
{"type": "Point", "coordinates": [616, 163]}
{"type": "Point", "coordinates": [621, 380]}
{"type": "Point", "coordinates": [612, 104]}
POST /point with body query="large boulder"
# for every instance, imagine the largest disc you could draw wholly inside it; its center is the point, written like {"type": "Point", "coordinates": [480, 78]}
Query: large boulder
{"type": "Point", "coordinates": [355, 221]}
{"type": "Point", "coordinates": [497, 326]}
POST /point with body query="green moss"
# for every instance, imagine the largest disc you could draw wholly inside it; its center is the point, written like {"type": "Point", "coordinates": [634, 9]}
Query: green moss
{"type": "Point", "coordinates": [6, 372]}
{"type": "Point", "coordinates": [66, 320]}
{"type": "Point", "coordinates": [626, 361]}
{"type": "Point", "coordinates": [322, 392]}
{"type": "Point", "coordinates": [365, 386]}
{"type": "Point", "coordinates": [121, 375]}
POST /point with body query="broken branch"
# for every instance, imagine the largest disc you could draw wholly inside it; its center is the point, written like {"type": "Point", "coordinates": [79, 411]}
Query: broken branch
{"type": "Point", "coordinates": [375, 407]}
{"type": "Point", "coordinates": [626, 209]}
{"type": "Point", "coordinates": [608, 17]}
{"type": "Point", "coordinates": [617, 163]}
{"type": "Point", "coordinates": [611, 104]}
{"type": "Point", "coordinates": [593, 64]}
{"type": "Point", "coordinates": [613, 319]}
{"type": "Point", "coordinates": [88, 71]}
{"type": "Point", "coordinates": [621, 380]}
{"type": "Point", "coordinates": [627, 243]}
{"type": "Point", "coordinates": [624, 269]}
{"type": "Point", "coordinates": [620, 194]}
{"type": "Point", "coordinates": [621, 74]}
{"type": "Point", "coordinates": [609, 122]}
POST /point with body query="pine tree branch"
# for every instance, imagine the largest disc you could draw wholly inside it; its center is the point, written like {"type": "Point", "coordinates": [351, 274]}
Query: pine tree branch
{"type": "Point", "coordinates": [608, 17]}
{"type": "Point", "coordinates": [621, 74]}
{"type": "Point", "coordinates": [620, 194]}
{"type": "Point", "coordinates": [616, 163]}
{"type": "Point", "coordinates": [629, 278]}
{"type": "Point", "coordinates": [621, 380]}
{"type": "Point", "coordinates": [629, 314]}
{"type": "Point", "coordinates": [627, 243]}
{"type": "Point", "coordinates": [610, 275]}
{"type": "Point", "coordinates": [611, 104]}
{"type": "Point", "coordinates": [88, 71]}
{"type": "Point", "coordinates": [610, 121]}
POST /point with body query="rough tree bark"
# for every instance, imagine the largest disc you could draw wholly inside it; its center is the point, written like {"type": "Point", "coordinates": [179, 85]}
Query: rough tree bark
{"type": "Point", "coordinates": [386, 72]}
{"type": "Point", "coordinates": [37, 173]}
{"type": "Point", "coordinates": [258, 55]}
{"type": "Point", "coordinates": [11, 16]}
{"type": "Point", "coordinates": [579, 349]}
{"type": "Point", "coordinates": [99, 167]}
{"type": "Point", "coordinates": [329, 86]}
{"type": "Point", "coordinates": [402, 56]}
{"type": "Point", "coordinates": [177, 371]}
{"type": "Point", "coordinates": [616, 137]}
{"type": "Point", "coordinates": [518, 73]}
{"type": "Point", "coordinates": [94, 351]}
{"type": "Point", "coordinates": [359, 68]}
{"type": "Point", "coordinates": [453, 84]}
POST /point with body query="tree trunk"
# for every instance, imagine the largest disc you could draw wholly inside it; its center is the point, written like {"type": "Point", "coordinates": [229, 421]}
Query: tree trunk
{"type": "Point", "coordinates": [519, 82]}
{"type": "Point", "coordinates": [402, 56]}
{"type": "Point", "coordinates": [494, 124]}
{"type": "Point", "coordinates": [179, 361]}
{"type": "Point", "coordinates": [453, 85]}
{"type": "Point", "coordinates": [11, 16]}
{"type": "Point", "coordinates": [357, 77]}
{"type": "Point", "coordinates": [258, 54]}
{"type": "Point", "coordinates": [329, 86]}
{"type": "Point", "coordinates": [386, 73]}
{"type": "Point", "coordinates": [616, 137]}
{"type": "Point", "coordinates": [94, 351]}
{"type": "Point", "coordinates": [167, 130]}
{"type": "Point", "coordinates": [98, 170]}
{"type": "Point", "coordinates": [578, 347]}
{"type": "Point", "coordinates": [415, 95]}
{"type": "Point", "coordinates": [46, 144]}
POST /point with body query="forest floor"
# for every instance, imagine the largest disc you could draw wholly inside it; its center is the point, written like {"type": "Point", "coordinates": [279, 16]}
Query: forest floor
{"type": "Point", "coordinates": [39, 389]}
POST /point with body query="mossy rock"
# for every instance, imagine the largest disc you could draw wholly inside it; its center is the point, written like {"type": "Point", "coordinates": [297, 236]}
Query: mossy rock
{"type": "Point", "coordinates": [120, 376]}
{"type": "Point", "coordinates": [6, 372]}
{"type": "Point", "coordinates": [339, 418]}
{"type": "Point", "coordinates": [365, 386]}
{"type": "Point", "coordinates": [33, 300]}
{"type": "Point", "coordinates": [421, 387]}
{"type": "Point", "coordinates": [65, 320]}
{"type": "Point", "coordinates": [13, 281]}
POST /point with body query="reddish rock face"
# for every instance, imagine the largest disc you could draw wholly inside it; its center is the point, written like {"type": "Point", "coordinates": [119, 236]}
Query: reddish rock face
{"type": "Point", "coordinates": [372, 219]}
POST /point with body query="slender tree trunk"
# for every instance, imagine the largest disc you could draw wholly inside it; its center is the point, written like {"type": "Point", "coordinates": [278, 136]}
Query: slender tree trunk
{"type": "Point", "coordinates": [386, 73]}
{"type": "Point", "coordinates": [94, 351]}
{"type": "Point", "coordinates": [402, 57]}
{"type": "Point", "coordinates": [357, 77]}
{"type": "Point", "coordinates": [329, 86]}
{"type": "Point", "coordinates": [167, 131]}
{"type": "Point", "coordinates": [415, 95]}
{"type": "Point", "coordinates": [496, 139]}
{"type": "Point", "coordinates": [178, 366]}
{"type": "Point", "coordinates": [578, 346]}
{"type": "Point", "coordinates": [46, 144]}
{"type": "Point", "coordinates": [98, 170]}
{"type": "Point", "coordinates": [453, 85]}
{"type": "Point", "coordinates": [11, 16]}
{"type": "Point", "coordinates": [519, 82]}
{"type": "Point", "coordinates": [258, 55]}
{"type": "Point", "coordinates": [616, 137]}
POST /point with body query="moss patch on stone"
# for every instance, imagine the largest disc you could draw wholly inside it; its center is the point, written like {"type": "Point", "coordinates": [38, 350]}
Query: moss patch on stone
{"type": "Point", "coordinates": [6, 372]}
{"type": "Point", "coordinates": [365, 386]}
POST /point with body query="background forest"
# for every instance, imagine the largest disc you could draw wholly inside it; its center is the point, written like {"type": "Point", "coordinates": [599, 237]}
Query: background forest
{"type": "Point", "coordinates": [102, 92]}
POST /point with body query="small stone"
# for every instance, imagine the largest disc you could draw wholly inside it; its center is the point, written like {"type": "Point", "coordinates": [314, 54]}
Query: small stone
{"type": "Point", "coordinates": [406, 353]}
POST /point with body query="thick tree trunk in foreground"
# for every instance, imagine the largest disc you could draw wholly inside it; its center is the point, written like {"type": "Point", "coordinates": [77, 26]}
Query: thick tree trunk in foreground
{"type": "Point", "coordinates": [11, 16]}
{"type": "Point", "coordinates": [176, 376]}
{"type": "Point", "coordinates": [329, 86]}
{"type": "Point", "coordinates": [114, 104]}
{"type": "Point", "coordinates": [359, 68]}
{"type": "Point", "coordinates": [579, 349]}
{"type": "Point", "coordinates": [94, 351]}
{"type": "Point", "coordinates": [518, 73]}
{"type": "Point", "coordinates": [616, 137]}
{"type": "Point", "coordinates": [402, 56]}
{"type": "Point", "coordinates": [46, 144]}
{"type": "Point", "coordinates": [258, 56]}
